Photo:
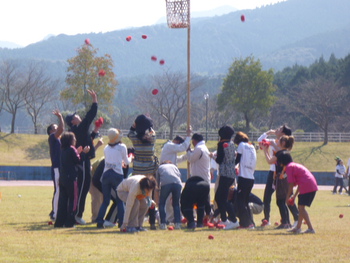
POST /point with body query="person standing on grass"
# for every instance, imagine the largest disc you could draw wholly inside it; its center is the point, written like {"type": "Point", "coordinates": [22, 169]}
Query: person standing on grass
{"type": "Point", "coordinates": [246, 158]}
{"type": "Point", "coordinates": [225, 158]}
{"type": "Point", "coordinates": [115, 157]}
{"type": "Point", "coordinates": [299, 175]}
{"type": "Point", "coordinates": [285, 143]}
{"type": "Point", "coordinates": [143, 139]}
{"type": "Point", "coordinates": [269, 187]}
{"type": "Point", "coordinates": [54, 131]}
{"type": "Point", "coordinates": [197, 187]}
{"type": "Point", "coordinates": [68, 197]}
{"type": "Point", "coordinates": [80, 127]}
{"type": "Point", "coordinates": [169, 182]}
{"type": "Point", "coordinates": [340, 172]}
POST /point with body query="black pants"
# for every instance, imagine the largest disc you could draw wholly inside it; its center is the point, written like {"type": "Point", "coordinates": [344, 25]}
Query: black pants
{"type": "Point", "coordinates": [66, 203]}
{"type": "Point", "coordinates": [196, 191]}
{"type": "Point", "coordinates": [221, 195]}
{"type": "Point", "coordinates": [268, 194]}
{"type": "Point", "coordinates": [244, 188]}
{"type": "Point", "coordinates": [281, 203]}
{"type": "Point", "coordinates": [84, 179]}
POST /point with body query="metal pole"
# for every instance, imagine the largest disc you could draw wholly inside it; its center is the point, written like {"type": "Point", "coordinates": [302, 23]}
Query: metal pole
{"type": "Point", "coordinates": [188, 75]}
{"type": "Point", "coordinates": [206, 97]}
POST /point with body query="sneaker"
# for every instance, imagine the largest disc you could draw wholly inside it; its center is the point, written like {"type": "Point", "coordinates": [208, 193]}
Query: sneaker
{"type": "Point", "coordinates": [191, 225]}
{"type": "Point", "coordinates": [107, 223]}
{"type": "Point", "coordinates": [309, 231]}
{"type": "Point", "coordinates": [131, 229]}
{"type": "Point", "coordinates": [284, 226]}
{"type": "Point", "coordinates": [162, 226]}
{"type": "Point", "coordinates": [153, 227]}
{"type": "Point", "coordinates": [294, 230]}
{"type": "Point", "coordinates": [199, 225]}
{"type": "Point", "coordinates": [52, 216]}
{"type": "Point", "coordinates": [231, 225]}
{"type": "Point", "coordinates": [141, 229]}
{"type": "Point", "coordinates": [177, 226]}
{"type": "Point", "coordinates": [295, 224]}
{"type": "Point", "coordinates": [80, 221]}
{"type": "Point", "coordinates": [265, 222]}
{"type": "Point", "coordinates": [246, 227]}
{"type": "Point", "coordinates": [100, 225]}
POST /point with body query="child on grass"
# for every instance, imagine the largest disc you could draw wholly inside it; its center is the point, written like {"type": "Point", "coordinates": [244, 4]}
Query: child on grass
{"type": "Point", "coordinates": [299, 175]}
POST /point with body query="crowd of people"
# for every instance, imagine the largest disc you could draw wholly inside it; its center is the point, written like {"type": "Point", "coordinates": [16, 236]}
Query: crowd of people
{"type": "Point", "coordinates": [156, 183]}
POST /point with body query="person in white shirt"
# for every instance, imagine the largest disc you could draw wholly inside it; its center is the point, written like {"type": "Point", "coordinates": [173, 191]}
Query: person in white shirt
{"type": "Point", "coordinates": [246, 158]}
{"type": "Point", "coordinates": [197, 187]}
{"type": "Point", "coordinates": [169, 153]}
{"type": "Point", "coordinates": [115, 156]}
{"type": "Point", "coordinates": [339, 174]}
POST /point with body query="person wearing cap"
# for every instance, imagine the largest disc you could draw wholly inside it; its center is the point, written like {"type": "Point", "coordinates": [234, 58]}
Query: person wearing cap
{"type": "Point", "coordinates": [339, 174]}
{"type": "Point", "coordinates": [80, 127]}
{"type": "Point", "coordinates": [197, 187]}
{"type": "Point", "coordinates": [54, 131]}
{"type": "Point", "coordinates": [269, 186]}
{"type": "Point", "coordinates": [115, 157]}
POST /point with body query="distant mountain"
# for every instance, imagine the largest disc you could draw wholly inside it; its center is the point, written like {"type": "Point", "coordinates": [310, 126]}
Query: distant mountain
{"type": "Point", "coordinates": [6, 44]}
{"type": "Point", "coordinates": [294, 31]}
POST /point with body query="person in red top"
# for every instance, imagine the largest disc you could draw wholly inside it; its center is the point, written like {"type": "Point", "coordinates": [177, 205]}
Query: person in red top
{"type": "Point", "coordinates": [299, 175]}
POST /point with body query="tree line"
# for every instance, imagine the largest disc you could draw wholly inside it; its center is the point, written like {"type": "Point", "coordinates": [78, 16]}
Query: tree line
{"type": "Point", "coordinates": [312, 98]}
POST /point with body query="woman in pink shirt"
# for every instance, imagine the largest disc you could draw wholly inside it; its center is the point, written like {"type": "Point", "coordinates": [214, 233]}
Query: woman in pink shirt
{"type": "Point", "coordinates": [299, 175]}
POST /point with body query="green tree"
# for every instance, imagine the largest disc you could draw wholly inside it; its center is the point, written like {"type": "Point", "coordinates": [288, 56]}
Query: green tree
{"type": "Point", "coordinates": [247, 89]}
{"type": "Point", "coordinates": [88, 71]}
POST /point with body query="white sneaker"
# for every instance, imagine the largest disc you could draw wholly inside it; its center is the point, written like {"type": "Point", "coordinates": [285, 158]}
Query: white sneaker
{"type": "Point", "coordinates": [309, 231]}
{"type": "Point", "coordinates": [108, 224]}
{"type": "Point", "coordinates": [177, 226]}
{"type": "Point", "coordinates": [162, 226]}
{"type": "Point", "coordinates": [295, 224]}
{"type": "Point", "coordinates": [80, 221]}
{"type": "Point", "coordinates": [231, 225]}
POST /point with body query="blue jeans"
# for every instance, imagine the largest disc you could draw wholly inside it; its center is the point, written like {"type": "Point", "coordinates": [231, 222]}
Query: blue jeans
{"type": "Point", "coordinates": [110, 181]}
{"type": "Point", "coordinates": [165, 191]}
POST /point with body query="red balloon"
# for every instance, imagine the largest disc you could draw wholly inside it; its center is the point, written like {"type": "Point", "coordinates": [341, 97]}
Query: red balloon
{"type": "Point", "coordinates": [87, 41]}
{"type": "Point", "coordinates": [144, 36]}
{"type": "Point", "coordinates": [128, 38]}
{"type": "Point", "coordinates": [154, 58]}
{"type": "Point", "coordinates": [102, 73]}
{"type": "Point", "coordinates": [162, 62]}
{"type": "Point", "coordinates": [225, 145]}
{"type": "Point", "coordinates": [242, 18]}
{"type": "Point", "coordinates": [155, 92]}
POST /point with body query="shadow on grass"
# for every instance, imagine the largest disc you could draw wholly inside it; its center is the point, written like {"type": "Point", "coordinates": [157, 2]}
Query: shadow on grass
{"type": "Point", "coordinates": [313, 150]}
{"type": "Point", "coordinates": [38, 151]}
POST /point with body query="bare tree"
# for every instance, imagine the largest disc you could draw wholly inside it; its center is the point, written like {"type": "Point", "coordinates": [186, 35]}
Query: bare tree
{"type": "Point", "coordinates": [169, 104]}
{"type": "Point", "coordinates": [41, 91]}
{"type": "Point", "coordinates": [14, 82]}
{"type": "Point", "coordinates": [320, 100]}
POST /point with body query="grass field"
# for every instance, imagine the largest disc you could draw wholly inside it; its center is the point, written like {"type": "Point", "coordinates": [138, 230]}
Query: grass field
{"type": "Point", "coordinates": [32, 150]}
{"type": "Point", "coordinates": [27, 237]}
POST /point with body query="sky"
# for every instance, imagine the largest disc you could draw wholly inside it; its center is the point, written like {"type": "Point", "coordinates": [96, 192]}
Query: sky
{"type": "Point", "coordinates": [28, 21]}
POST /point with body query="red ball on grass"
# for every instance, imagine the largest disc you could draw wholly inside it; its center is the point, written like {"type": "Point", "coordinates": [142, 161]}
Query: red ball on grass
{"type": "Point", "coordinates": [341, 216]}
{"type": "Point", "coordinates": [170, 228]}
{"type": "Point", "coordinates": [276, 223]}
{"type": "Point", "coordinates": [50, 223]}
{"type": "Point", "coordinates": [155, 92]}
{"type": "Point", "coordinates": [210, 237]}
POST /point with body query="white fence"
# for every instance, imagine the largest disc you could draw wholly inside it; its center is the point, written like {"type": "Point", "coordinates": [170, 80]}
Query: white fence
{"type": "Point", "coordinates": [213, 136]}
